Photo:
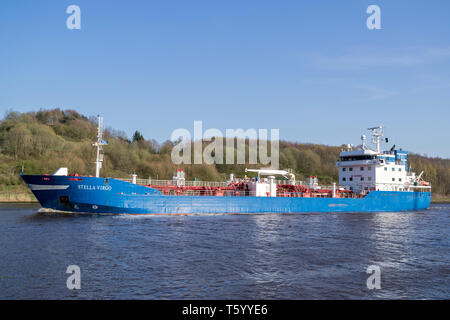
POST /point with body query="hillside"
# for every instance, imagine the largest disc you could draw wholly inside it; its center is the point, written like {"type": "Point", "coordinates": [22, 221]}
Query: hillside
{"type": "Point", "coordinates": [45, 140]}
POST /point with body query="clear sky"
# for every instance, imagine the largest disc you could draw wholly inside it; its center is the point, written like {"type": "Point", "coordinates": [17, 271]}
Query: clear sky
{"type": "Point", "coordinates": [309, 68]}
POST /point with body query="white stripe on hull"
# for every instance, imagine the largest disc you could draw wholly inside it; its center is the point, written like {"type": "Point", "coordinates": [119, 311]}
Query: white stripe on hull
{"type": "Point", "coordinates": [47, 187]}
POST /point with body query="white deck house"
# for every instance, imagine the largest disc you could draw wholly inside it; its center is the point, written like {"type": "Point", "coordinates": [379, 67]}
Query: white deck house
{"type": "Point", "coordinates": [363, 169]}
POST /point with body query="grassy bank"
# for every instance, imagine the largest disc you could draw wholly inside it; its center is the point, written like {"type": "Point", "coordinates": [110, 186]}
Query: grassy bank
{"type": "Point", "coordinates": [439, 198]}
{"type": "Point", "coordinates": [18, 193]}
{"type": "Point", "coordinates": [17, 197]}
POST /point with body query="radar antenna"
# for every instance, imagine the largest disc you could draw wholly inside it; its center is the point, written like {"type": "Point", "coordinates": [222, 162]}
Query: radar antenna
{"type": "Point", "coordinates": [377, 133]}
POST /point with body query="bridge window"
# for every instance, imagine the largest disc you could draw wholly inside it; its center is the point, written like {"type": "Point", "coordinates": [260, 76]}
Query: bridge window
{"type": "Point", "coordinates": [355, 158]}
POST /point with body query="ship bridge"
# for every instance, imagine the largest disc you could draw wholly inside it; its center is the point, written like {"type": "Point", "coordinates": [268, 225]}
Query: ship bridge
{"type": "Point", "coordinates": [363, 169]}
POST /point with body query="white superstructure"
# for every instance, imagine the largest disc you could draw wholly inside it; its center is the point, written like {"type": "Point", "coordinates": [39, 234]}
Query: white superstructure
{"type": "Point", "coordinates": [363, 169]}
{"type": "Point", "coordinates": [266, 187]}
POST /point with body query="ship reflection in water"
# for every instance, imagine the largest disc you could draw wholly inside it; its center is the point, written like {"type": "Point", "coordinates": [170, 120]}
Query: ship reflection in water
{"type": "Point", "coordinates": [268, 256]}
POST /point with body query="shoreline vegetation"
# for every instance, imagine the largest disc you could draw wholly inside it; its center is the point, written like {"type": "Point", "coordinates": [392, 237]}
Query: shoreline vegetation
{"type": "Point", "coordinates": [17, 194]}
{"type": "Point", "coordinates": [41, 142]}
{"type": "Point", "coordinates": [439, 198]}
{"type": "Point", "coordinates": [17, 198]}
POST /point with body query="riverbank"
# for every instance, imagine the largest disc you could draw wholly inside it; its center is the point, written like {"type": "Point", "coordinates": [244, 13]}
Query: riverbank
{"type": "Point", "coordinates": [439, 198]}
{"type": "Point", "coordinates": [17, 197]}
{"type": "Point", "coordinates": [16, 193]}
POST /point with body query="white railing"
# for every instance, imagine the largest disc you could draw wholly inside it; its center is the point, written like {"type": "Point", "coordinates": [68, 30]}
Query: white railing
{"type": "Point", "coordinates": [138, 181]}
{"type": "Point", "coordinates": [286, 182]}
{"type": "Point", "coordinates": [226, 193]}
{"type": "Point", "coordinates": [328, 187]}
{"type": "Point", "coordinates": [174, 183]}
{"type": "Point", "coordinates": [241, 193]}
{"type": "Point", "coordinates": [419, 187]}
{"type": "Point", "coordinates": [155, 182]}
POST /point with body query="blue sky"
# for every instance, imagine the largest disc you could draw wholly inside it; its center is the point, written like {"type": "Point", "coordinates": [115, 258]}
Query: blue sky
{"type": "Point", "coordinates": [309, 68]}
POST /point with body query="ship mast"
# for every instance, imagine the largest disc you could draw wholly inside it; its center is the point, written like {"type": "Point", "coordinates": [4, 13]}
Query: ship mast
{"type": "Point", "coordinates": [98, 144]}
{"type": "Point", "coordinates": [377, 133]}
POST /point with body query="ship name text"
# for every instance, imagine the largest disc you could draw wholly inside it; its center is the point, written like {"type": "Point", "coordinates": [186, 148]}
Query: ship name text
{"type": "Point", "coordinates": [91, 187]}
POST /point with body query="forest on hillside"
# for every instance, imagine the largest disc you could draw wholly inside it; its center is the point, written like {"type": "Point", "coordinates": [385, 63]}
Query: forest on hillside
{"type": "Point", "coordinates": [45, 140]}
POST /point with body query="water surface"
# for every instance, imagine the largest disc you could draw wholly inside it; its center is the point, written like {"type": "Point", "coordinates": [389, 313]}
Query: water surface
{"type": "Point", "coordinates": [270, 256]}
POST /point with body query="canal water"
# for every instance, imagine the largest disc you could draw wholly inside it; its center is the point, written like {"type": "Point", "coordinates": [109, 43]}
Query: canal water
{"type": "Point", "coordinates": [269, 256]}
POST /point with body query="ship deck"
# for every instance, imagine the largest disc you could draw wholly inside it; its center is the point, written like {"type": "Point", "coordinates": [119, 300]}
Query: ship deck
{"type": "Point", "coordinates": [237, 189]}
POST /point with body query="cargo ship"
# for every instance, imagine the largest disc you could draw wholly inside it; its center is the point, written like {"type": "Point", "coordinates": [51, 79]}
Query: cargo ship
{"type": "Point", "coordinates": [370, 180]}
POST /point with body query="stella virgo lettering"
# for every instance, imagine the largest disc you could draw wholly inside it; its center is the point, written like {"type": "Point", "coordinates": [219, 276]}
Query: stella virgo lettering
{"type": "Point", "coordinates": [91, 187]}
{"type": "Point", "coordinates": [214, 152]}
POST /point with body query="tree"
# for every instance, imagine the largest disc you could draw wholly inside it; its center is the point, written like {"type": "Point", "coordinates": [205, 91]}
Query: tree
{"type": "Point", "coordinates": [137, 137]}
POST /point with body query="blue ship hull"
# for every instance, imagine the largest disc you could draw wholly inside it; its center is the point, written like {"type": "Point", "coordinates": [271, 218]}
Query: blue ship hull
{"type": "Point", "coordinates": [111, 196]}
